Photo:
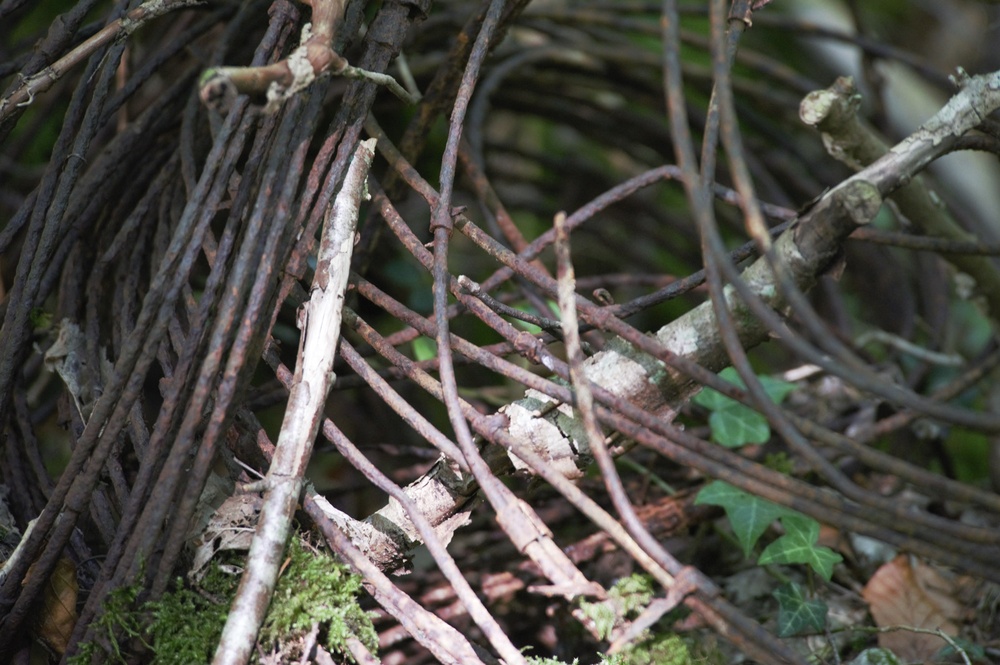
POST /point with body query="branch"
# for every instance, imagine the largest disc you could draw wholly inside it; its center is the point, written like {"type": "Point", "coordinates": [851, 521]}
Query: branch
{"type": "Point", "coordinates": [24, 94]}
{"type": "Point", "coordinates": [444, 642]}
{"type": "Point", "coordinates": [551, 429]}
{"type": "Point", "coordinates": [319, 320]}
{"type": "Point", "coordinates": [834, 112]}
{"type": "Point", "coordinates": [314, 57]}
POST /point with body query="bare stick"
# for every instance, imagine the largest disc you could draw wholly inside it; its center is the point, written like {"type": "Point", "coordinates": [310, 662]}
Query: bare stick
{"type": "Point", "coordinates": [319, 320]}
{"type": "Point", "coordinates": [314, 57]}
{"type": "Point", "coordinates": [31, 86]}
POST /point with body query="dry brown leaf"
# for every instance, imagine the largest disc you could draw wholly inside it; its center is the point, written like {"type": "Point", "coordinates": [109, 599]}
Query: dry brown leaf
{"type": "Point", "coordinates": [54, 620]}
{"type": "Point", "coordinates": [901, 593]}
{"type": "Point", "coordinates": [231, 527]}
{"type": "Point", "coordinates": [942, 587]}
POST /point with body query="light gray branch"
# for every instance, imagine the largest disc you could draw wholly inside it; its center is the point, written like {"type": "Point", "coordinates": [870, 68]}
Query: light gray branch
{"type": "Point", "coordinates": [319, 320]}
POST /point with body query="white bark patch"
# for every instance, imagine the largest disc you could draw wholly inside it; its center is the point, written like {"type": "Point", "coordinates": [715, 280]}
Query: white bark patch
{"type": "Point", "coordinates": [540, 434]}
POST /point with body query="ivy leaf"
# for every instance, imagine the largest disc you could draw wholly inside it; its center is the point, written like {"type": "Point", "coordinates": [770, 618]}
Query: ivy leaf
{"type": "Point", "coordinates": [712, 399]}
{"type": "Point", "coordinates": [796, 614]}
{"type": "Point", "coordinates": [424, 348]}
{"type": "Point", "coordinates": [798, 545]}
{"type": "Point", "coordinates": [749, 515]}
{"type": "Point", "coordinates": [776, 389]}
{"type": "Point", "coordinates": [733, 424]}
{"type": "Point", "coordinates": [738, 425]}
{"type": "Point", "coordinates": [876, 656]}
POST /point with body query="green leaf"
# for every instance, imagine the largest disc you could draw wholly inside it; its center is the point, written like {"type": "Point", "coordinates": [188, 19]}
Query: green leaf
{"type": "Point", "coordinates": [974, 651]}
{"type": "Point", "coordinates": [738, 425]}
{"type": "Point", "coordinates": [776, 389]}
{"type": "Point", "coordinates": [876, 656]}
{"type": "Point", "coordinates": [796, 614]}
{"type": "Point", "coordinates": [424, 348]}
{"type": "Point", "coordinates": [749, 515]}
{"type": "Point", "coordinates": [798, 545]}
{"type": "Point", "coordinates": [713, 400]}
{"type": "Point", "coordinates": [733, 424]}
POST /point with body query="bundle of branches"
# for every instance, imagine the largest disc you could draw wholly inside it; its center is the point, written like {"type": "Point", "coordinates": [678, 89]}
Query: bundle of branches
{"type": "Point", "coordinates": [406, 194]}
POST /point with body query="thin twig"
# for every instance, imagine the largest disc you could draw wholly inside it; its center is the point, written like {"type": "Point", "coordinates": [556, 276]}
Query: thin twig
{"type": "Point", "coordinates": [32, 86]}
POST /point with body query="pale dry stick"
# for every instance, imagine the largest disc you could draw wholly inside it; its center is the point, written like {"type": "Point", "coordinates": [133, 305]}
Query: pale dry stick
{"type": "Point", "coordinates": [678, 581]}
{"type": "Point", "coordinates": [219, 86]}
{"type": "Point", "coordinates": [360, 653]}
{"type": "Point", "coordinates": [35, 84]}
{"type": "Point", "coordinates": [352, 72]}
{"type": "Point", "coordinates": [428, 629]}
{"type": "Point", "coordinates": [319, 320]}
{"type": "Point", "coordinates": [446, 644]}
{"type": "Point", "coordinates": [581, 388]}
{"type": "Point", "coordinates": [905, 346]}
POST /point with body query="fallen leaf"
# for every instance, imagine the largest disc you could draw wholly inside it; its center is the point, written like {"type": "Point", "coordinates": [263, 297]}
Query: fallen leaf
{"type": "Point", "coordinates": [901, 593]}
{"type": "Point", "coordinates": [231, 527]}
{"type": "Point", "coordinates": [54, 620]}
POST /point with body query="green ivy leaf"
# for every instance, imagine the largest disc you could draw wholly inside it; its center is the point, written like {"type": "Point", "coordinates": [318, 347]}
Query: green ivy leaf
{"type": "Point", "coordinates": [776, 389]}
{"type": "Point", "coordinates": [738, 425]}
{"type": "Point", "coordinates": [712, 399]}
{"type": "Point", "coordinates": [876, 656]}
{"type": "Point", "coordinates": [733, 424]}
{"type": "Point", "coordinates": [798, 545]}
{"type": "Point", "coordinates": [749, 515]}
{"type": "Point", "coordinates": [796, 614]}
{"type": "Point", "coordinates": [424, 348]}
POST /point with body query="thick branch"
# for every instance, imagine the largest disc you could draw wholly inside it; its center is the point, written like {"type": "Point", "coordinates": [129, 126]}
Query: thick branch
{"type": "Point", "coordinates": [834, 112]}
